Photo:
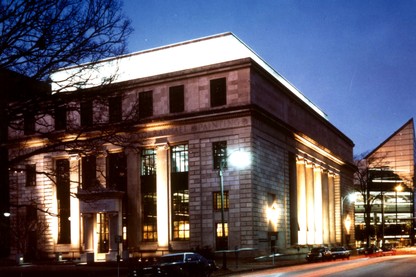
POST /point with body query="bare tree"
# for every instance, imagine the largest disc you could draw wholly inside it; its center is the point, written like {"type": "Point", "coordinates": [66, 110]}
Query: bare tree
{"type": "Point", "coordinates": [38, 37]}
{"type": "Point", "coordinates": [370, 169]}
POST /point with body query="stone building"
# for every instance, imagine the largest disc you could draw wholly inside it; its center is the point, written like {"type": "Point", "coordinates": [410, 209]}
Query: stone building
{"type": "Point", "coordinates": [186, 110]}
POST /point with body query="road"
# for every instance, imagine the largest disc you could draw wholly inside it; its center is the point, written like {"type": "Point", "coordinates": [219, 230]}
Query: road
{"type": "Point", "coordinates": [398, 265]}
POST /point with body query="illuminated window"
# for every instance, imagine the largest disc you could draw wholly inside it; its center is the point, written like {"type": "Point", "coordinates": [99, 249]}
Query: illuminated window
{"type": "Point", "coordinates": [219, 154]}
{"type": "Point", "coordinates": [221, 241]}
{"type": "Point", "coordinates": [149, 196]}
{"type": "Point", "coordinates": [114, 109]}
{"type": "Point", "coordinates": [103, 233]}
{"type": "Point", "coordinates": [180, 211]}
{"type": "Point", "coordinates": [217, 200]}
{"type": "Point", "coordinates": [218, 90]}
{"type": "Point", "coordinates": [86, 114]}
{"type": "Point", "coordinates": [63, 201]}
{"type": "Point", "coordinates": [180, 192]}
{"type": "Point", "coordinates": [145, 104]}
{"type": "Point", "coordinates": [30, 175]}
{"type": "Point", "coordinates": [176, 99]}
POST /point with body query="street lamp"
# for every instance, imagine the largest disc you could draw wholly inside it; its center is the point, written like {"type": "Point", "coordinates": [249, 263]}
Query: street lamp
{"type": "Point", "coordinates": [238, 159]}
{"type": "Point", "coordinates": [351, 197]}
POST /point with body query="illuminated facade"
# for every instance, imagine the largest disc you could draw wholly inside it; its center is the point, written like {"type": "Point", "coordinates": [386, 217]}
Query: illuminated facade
{"type": "Point", "coordinates": [194, 104]}
{"type": "Point", "coordinates": [390, 191]}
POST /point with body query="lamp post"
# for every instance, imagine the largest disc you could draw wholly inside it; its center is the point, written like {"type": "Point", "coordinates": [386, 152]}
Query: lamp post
{"type": "Point", "coordinates": [239, 159]}
{"type": "Point", "coordinates": [351, 197]}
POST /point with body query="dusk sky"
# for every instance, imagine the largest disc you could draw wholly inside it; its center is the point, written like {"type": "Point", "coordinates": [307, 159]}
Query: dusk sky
{"type": "Point", "coordinates": [354, 59]}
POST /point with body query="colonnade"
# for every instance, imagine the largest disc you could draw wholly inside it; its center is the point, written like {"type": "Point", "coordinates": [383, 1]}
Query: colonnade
{"type": "Point", "coordinates": [315, 203]}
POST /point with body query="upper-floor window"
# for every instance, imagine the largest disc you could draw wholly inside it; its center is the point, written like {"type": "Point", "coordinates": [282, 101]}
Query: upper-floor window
{"type": "Point", "coordinates": [29, 124]}
{"type": "Point", "coordinates": [219, 154]}
{"type": "Point", "coordinates": [217, 200]}
{"type": "Point", "coordinates": [30, 175]}
{"type": "Point", "coordinates": [117, 171]}
{"type": "Point", "coordinates": [176, 99]}
{"type": "Point", "coordinates": [145, 104]}
{"type": "Point", "coordinates": [89, 171]}
{"type": "Point", "coordinates": [86, 113]}
{"type": "Point", "coordinates": [218, 92]}
{"type": "Point", "coordinates": [60, 118]}
{"type": "Point", "coordinates": [114, 109]}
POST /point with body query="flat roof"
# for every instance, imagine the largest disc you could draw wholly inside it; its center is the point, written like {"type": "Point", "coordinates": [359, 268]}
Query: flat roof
{"type": "Point", "coordinates": [170, 58]}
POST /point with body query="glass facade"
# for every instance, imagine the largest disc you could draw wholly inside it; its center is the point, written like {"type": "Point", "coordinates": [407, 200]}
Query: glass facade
{"type": "Point", "coordinates": [387, 190]}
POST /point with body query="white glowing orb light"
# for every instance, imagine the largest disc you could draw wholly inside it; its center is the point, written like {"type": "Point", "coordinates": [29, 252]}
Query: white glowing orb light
{"type": "Point", "coordinates": [240, 159]}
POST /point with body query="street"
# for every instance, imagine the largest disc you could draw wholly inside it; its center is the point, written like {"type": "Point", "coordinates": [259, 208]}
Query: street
{"type": "Point", "coordinates": [399, 265]}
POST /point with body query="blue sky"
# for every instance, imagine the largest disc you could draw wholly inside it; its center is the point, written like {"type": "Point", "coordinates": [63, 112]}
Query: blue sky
{"type": "Point", "coordinates": [354, 59]}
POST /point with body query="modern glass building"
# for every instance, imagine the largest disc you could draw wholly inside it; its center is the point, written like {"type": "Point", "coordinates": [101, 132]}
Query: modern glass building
{"type": "Point", "coordinates": [390, 192]}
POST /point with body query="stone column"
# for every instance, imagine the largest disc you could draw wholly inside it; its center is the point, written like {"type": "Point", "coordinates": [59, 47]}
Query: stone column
{"type": "Point", "coordinates": [310, 206]}
{"type": "Point", "coordinates": [162, 190]}
{"type": "Point", "coordinates": [317, 181]}
{"type": "Point", "coordinates": [301, 199]}
{"type": "Point", "coordinates": [331, 208]}
{"type": "Point", "coordinates": [325, 208]}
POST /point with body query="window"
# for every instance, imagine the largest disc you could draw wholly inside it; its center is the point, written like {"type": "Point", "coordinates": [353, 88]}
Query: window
{"type": "Point", "coordinates": [180, 192]}
{"type": "Point", "coordinates": [148, 193]}
{"type": "Point", "coordinates": [86, 114]}
{"type": "Point", "coordinates": [180, 158]}
{"type": "Point", "coordinates": [30, 175]}
{"type": "Point", "coordinates": [103, 233]}
{"type": "Point", "coordinates": [218, 92]}
{"type": "Point", "coordinates": [221, 240]}
{"type": "Point", "coordinates": [114, 109]}
{"type": "Point", "coordinates": [117, 171]}
{"type": "Point", "coordinates": [145, 104]}
{"type": "Point", "coordinates": [63, 199]}
{"type": "Point", "coordinates": [180, 203]}
{"type": "Point", "coordinates": [89, 171]}
{"type": "Point", "coordinates": [176, 99]}
{"type": "Point", "coordinates": [219, 153]}
{"type": "Point", "coordinates": [60, 118]}
{"type": "Point", "coordinates": [29, 124]}
{"type": "Point", "coordinates": [217, 200]}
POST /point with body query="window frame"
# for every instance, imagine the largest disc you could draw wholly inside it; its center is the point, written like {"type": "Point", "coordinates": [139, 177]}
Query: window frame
{"type": "Point", "coordinates": [177, 99]}
{"type": "Point", "coordinates": [145, 104]}
{"type": "Point", "coordinates": [115, 109]}
{"type": "Point", "coordinates": [219, 154]}
{"type": "Point", "coordinates": [216, 198]}
{"type": "Point", "coordinates": [218, 92]}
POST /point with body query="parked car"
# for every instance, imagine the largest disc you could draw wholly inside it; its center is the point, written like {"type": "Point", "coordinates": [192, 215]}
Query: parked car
{"type": "Point", "coordinates": [181, 264]}
{"type": "Point", "coordinates": [340, 253]}
{"type": "Point", "coordinates": [373, 250]}
{"type": "Point", "coordinates": [388, 249]}
{"type": "Point", "coordinates": [319, 254]}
